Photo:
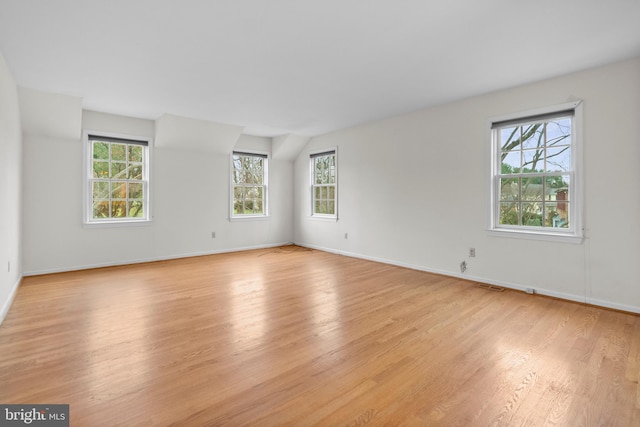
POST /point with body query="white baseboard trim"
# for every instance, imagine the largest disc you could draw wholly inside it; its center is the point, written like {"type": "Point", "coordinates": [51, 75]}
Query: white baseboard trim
{"type": "Point", "coordinates": [7, 304]}
{"type": "Point", "coordinates": [546, 292]}
{"type": "Point", "coordinates": [151, 259]}
{"type": "Point", "coordinates": [539, 291]}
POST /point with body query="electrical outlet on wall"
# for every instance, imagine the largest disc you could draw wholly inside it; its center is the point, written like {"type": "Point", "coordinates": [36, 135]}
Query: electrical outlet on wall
{"type": "Point", "coordinates": [213, 234]}
{"type": "Point", "coordinates": [472, 252]}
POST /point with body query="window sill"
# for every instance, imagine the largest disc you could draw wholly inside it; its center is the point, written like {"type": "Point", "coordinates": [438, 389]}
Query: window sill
{"type": "Point", "coordinates": [326, 218]}
{"type": "Point", "coordinates": [112, 224]}
{"type": "Point", "coordinates": [249, 218]}
{"type": "Point", "coordinates": [536, 235]}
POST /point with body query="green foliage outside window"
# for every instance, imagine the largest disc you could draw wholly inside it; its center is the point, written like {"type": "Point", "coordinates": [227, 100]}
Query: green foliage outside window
{"type": "Point", "coordinates": [117, 184]}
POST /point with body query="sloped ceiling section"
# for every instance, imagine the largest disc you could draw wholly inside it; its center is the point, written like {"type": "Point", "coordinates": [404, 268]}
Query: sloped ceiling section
{"type": "Point", "coordinates": [50, 114]}
{"type": "Point", "coordinates": [193, 134]}
{"type": "Point", "coordinates": [287, 147]}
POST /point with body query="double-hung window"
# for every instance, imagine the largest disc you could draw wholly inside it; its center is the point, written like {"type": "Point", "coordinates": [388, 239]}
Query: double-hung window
{"type": "Point", "coordinates": [535, 173]}
{"type": "Point", "coordinates": [118, 179]}
{"type": "Point", "coordinates": [249, 180]}
{"type": "Point", "coordinates": [324, 180]}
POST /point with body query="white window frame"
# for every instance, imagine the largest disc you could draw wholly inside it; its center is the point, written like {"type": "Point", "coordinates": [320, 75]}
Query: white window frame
{"type": "Point", "coordinates": [312, 184]}
{"type": "Point", "coordinates": [87, 198]}
{"type": "Point", "coordinates": [575, 232]}
{"type": "Point", "coordinates": [265, 184]}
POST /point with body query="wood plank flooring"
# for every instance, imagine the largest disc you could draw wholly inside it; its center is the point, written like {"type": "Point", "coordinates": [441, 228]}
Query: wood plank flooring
{"type": "Point", "coordinates": [290, 336]}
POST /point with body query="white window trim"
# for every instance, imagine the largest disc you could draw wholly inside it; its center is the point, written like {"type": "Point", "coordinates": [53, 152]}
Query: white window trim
{"type": "Point", "coordinates": [322, 217]}
{"type": "Point", "coordinates": [87, 173]}
{"type": "Point", "coordinates": [244, 217]}
{"type": "Point", "coordinates": [576, 233]}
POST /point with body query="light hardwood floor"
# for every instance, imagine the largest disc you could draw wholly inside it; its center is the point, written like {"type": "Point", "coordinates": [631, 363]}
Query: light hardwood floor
{"type": "Point", "coordinates": [289, 336]}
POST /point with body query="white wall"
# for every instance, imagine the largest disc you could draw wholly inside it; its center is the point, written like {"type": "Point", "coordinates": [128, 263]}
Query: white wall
{"type": "Point", "coordinates": [10, 189]}
{"type": "Point", "coordinates": [412, 191]}
{"type": "Point", "coordinates": [189, 189]}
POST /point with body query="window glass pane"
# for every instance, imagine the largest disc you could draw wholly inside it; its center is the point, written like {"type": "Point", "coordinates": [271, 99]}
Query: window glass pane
{"type": "Point", "coordinates": [238, 193]}
{"type": "Point", "coordinates": [257, 206]}
{"type": "Point", "coordinates": [135, 190]}
{"type": "Point", "coordinates": [559, 132]}
{"type": "Point", "coordinates": [100, 209]}
{"type": "Point", "coordinates": [510, 162]}
{"type": "Point", "coordinates": [100, 150]}
{"type": "Point", "coordinates": [508, 136]}
{"type": "Point", "coordinates": [135, 171]}
{"type": "Point", "coordinates": [136, 209]}
{"type": "Point", "coordinates": [245, 171]}
{"type": "Point", "coordinates": [557, 214]}
{"type": "Point", "coordinates": [557, 187]}
{"type": "Point", "coordinates": [237, 170]}
{"type": "Point", "coordinates": [532, 189]}
{"type": "Point", "coordinates": [118, 170]}
{"type": "Point", "coordinates": [532, 214]}
{"type": "Point", "coordinates": [509, 213]}
{"type": "Point", "coordinates": [100, 169]}
{"type": "Point", "coordinates": [257, 192]}
{"type": "Point", "coordinates": [238, 201]}
{"type": "Point", "coordinates": [135, 153]}
{"type": "Point", "coordinates": [316, 206]}
{"type": "Point", "coordinates": [317, 170]}
{"type": "Point", "coordinates": [248, 170]}
{"type": "Point", "coordinates": [532, 160]}
{"type": "Point", "coordinates": [257, 170]}
{"type": "Point", "coordinates": [119, 190]}
{"type": "Point", "coordinates": [331, 207]}
{"type": "Point", "coordinates": [558, 205]}
{"type": "Point", "coordinates": [325, 169]}
{"type": "Point", "coordinates": [252, 177]}
{"type": "Point", "coordinates": [100, 190]}
{"type": "Point", "coordinates": [249, 192]}
{"type": "Point", "coordinates": [558, 159]}
{"type": "Point", "coordinates": [533, 136]}
{"type": "Point", "coordinates": [119, 152]}
{"type": "Point", "coordinates": [331, 192]}
{"type": "Point", "coordinates": [509, 189]}
{"type": "Point", "coordinates": [119, 209]}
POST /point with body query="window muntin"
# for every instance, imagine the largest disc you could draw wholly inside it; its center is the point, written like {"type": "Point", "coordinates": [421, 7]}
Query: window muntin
{"type": "Point", "coordinates": [534, 167]}
{"type": "Point", "coordinates": [323, 184]}
{"type": "Point", "coordinates": [249, 181]}
{"type": "Point", "coordinates": [118, 184]}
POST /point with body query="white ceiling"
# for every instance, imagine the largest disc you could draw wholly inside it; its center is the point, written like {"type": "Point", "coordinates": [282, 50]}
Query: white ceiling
{"type": "Point", "coordinates": [303, 66]}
